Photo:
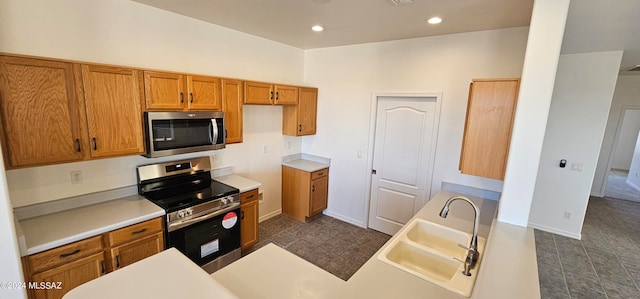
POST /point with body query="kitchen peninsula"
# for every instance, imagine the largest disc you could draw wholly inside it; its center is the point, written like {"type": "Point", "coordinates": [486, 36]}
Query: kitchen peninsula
{"type": "Point", "coordinates": [508, 269]}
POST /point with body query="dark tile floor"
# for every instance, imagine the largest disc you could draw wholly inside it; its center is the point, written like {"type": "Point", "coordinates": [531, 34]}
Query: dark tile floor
{"type": "Point", "coordinates": [333, 245]}
{"type": "Point", "coordinates": [604, 264]}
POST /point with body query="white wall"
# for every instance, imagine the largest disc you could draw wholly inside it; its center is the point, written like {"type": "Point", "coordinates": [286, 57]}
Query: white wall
{"type": "Point", "coordinates": [621, 158]}
{"type": "Point", "coordinates": [633, 178]}
{"type": "Point", "coordinates": [625, 96]}
{"type": "Point", "coordinates": [127, 33]}
{"type": "Point", "coordinates": [347, 76]}
{"type": "Point", "coordinates": [577, 119]}
{"type": "Point", "coordinates": [543, 48]}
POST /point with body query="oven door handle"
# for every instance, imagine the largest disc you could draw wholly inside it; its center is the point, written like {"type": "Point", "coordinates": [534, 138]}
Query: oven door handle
{"type": "Point", "coordinates": [180, 224]}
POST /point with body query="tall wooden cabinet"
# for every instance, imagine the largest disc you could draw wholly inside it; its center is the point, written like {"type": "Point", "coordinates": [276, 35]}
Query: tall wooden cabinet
{"type": "Point", "coordinates": [42, 115]}
{"type": "Point", "coordinates": [487, 132]}
{"type": "Point", "coordinates": [232, 98]}
{"type": "Point", "coordinates": [113, 101]}
{"type": "Point", "coordinates": [304, 194]}
{"type": "Point", "coordinates": [176, 92]}
{"type": "Point", "coordinates": [248, 218]}
{"type": "Point", "coordinates": [300, 120]}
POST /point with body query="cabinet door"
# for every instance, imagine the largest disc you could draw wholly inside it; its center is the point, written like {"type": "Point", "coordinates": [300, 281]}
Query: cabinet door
{"type": "Point", "coordinates": [307, 107]}
{"type": "Point", "coordinates": [319, 190]}
{"type": "Point", "coordinates": [249, 224]}
{"type": "Point", "coordinates": [286, 95]}
{"type": "Point", "coordinates": [204, 93]}
{"type": "Point", "coordinates": [258, 93]}
{"type": "Point", "coordinates": [164, 91]}
{"type": "Point", "coordinates": [70, 275]}
{"type": "Point", "coordinates": [134, 251]}
{"type": "Point", "coordinates": [487, 133]}
{"type": "Point", "coordinates": [113, 98]}
{"type": "Point", "coordinates": [41, 112]}
{"type": "Point", "coordinates": [232, 95]}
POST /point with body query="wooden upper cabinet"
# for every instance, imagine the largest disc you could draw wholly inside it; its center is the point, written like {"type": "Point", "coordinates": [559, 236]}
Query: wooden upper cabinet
{"type": "Point", "coordinates": [113, 98]}
{"type": "Point", "coordinates": [164, 91]}
{"type": "Point", "coordinates": [300, 120]}
{"type": "Point", "coordinates": [204, 93]}
{"type": "Point", "coordinates": [41, 112]}
{"type": "Point", "coordinates": [258, 93]}
{"type": "Point", "coordinates": [232, 97]}
{"type": "Point", "coordinates": [286, 95]}
{"type": "Point", "coordinates": [487, 132]}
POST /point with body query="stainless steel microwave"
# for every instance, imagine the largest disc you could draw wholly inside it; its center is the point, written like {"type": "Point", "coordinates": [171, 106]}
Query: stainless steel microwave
{"type": "Point", "coordinates": [171, 133]}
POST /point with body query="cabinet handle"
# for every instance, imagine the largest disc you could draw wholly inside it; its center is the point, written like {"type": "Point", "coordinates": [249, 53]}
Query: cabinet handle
{"type": "Point", "coordinates": [271, 97]}
{"type": "Point", "coordinates": [299, 128]}
{"type": "Point", "coordinates": [78, 145]}
{"type": "Point", "coordinates": [181, 98]}
{"type": "Point", "coordinates": [321, 173]}
{"type": "Point", "coordinates": [250, 196]}
{"type": "Point", "coordinates": [102, 267]}
{"type": "Point", "coordinates": [191, 97]}
{"type": "Point", "coordinates": [241, 215]}
{"type": "Point", "coordinates": [139, 231]}
{"type": "Point", "coordinates": [277, 95]}
{"type": "Point", "coordinates": [313, 188]}
{"type": "Point", "coordinates": [95, 144]}
{"type": "Point", "coordinates": [69, 254]}
{"type": "Point", "coordinates": [117, 261]}
{"type": "Point", "coordinates": [225, 133]}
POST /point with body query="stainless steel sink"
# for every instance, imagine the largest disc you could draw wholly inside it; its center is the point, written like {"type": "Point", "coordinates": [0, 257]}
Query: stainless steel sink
{"type": "Point", "coordinates": [430, 251]}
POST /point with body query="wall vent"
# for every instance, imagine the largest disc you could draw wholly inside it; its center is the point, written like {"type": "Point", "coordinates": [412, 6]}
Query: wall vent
{"type": "Point", "coordinates": [401, 2]}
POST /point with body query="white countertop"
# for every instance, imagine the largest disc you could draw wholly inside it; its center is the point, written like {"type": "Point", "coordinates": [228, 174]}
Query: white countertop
{"type": "Point", "coordinates": [508, 269]}
{"type": "Point", "coordinates": [305, 165]}
{"type": "Point", "coordinates": [242, 183]}
{"type": "Point", "coordinates": [52, 230]}
{"type": "Point", "coordinates": [168, 274]}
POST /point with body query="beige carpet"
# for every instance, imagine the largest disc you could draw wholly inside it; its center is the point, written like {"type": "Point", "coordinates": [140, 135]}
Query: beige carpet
{"type": "Point", "coordinates": [617, 187]}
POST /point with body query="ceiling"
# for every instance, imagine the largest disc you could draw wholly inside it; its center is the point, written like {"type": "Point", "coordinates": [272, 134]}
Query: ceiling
{"type": "Point", "coordinates": [592, 25]}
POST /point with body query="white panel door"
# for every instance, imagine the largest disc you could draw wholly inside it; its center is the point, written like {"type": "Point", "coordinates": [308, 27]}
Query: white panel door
{"type": "Point", "coordinates": [402, 160]}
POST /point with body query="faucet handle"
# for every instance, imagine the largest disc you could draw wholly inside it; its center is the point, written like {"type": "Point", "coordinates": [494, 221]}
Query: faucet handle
{"type": "Point", "coordinates": [467, 248]}
{"type": "Point", "coordinates": [467, 266]}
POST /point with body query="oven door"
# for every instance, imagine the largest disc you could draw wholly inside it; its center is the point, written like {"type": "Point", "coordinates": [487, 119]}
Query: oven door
{"type": "Point", "coordinates": [205, 238]}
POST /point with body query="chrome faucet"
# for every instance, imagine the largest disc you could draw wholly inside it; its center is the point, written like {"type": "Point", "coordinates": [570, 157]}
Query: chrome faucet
{"type": "Point", "coordinates": [472, 250]}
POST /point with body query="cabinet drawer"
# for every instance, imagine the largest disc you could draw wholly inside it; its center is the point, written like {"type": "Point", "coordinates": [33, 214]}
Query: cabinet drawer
{"type": "Point", "coordinates": [135, 231]}
{"type": "Point", "coordinates": [248, 196]}
{"type": "Point", "coordinates": [64, 254]}
{"type": "Point", "coordinates": [319, 173]}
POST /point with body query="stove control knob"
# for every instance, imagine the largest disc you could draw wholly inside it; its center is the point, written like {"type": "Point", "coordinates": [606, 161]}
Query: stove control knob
{"type": "Point", "coordinates": [230, 198]}
{"type": "Point", "coordinates": [189, 212]}
{"type": "Point", "coordinates": [224, 200]}
{"type": "Point", "coordinates": [181, 214]}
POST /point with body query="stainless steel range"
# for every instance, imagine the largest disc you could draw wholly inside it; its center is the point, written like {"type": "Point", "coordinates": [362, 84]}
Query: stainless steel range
{"type": "Point", "coordinates": [202, 218]}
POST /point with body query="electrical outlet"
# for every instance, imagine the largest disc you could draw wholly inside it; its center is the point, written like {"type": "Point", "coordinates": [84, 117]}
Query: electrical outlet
{"type": "Point", "coordinates": [576, 166]}
{"type": "Point", "coordinates": [567, 215]}
{"type": "Point", "coordinates": [264, 149]}
{"type": "Point", "coordinates": [359, 154]}
{"type": "Point", "coordinates": [76, 177]}
{"type": "Point", "coordinates": [288, 144]}
{"type": "Point", "coordinates": [214, 157]}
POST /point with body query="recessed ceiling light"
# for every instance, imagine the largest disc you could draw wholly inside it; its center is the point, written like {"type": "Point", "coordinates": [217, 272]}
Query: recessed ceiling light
{"type": "Point", "coordinates": [317, 28]}
{"type": "Point", "coordinates": [435, 20]}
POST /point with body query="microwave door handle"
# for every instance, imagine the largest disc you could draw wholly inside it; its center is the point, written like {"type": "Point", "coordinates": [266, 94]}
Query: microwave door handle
{"type": "Point", "coordinates": [214, 125]}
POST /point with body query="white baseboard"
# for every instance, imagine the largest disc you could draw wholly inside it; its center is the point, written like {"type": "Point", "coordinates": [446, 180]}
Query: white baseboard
{"type": "Point", "coordinates": [270, 215]}
{"type": "Point", "coordinates": [344, 218]}
{"type": "Point", "coordinates": [632, 185]}
{"type": "Point", "coordinates": [555, 231]}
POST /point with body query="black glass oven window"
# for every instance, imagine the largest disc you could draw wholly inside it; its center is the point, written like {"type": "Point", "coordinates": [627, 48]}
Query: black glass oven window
{"type": "Point", "coordinates": [181, 133]}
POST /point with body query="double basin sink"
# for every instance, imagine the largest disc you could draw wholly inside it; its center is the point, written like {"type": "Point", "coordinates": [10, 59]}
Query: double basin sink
{"type": "Point", "coordinates": [432, 252]}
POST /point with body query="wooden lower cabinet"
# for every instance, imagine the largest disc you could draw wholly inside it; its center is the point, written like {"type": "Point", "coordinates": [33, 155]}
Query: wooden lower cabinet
{"type": "Point", "coordinates": [248, 218]}
{"type": "Point", "coordinates": [71, 265]}
{"type": "Point", "coordinates": [304, 194]}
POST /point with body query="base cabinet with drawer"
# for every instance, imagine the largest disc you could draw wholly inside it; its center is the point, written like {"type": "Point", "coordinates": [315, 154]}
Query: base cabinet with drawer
{"type": "Point", "coordinates": [63, 268]}
{"type": "Point", "coordinates": [248, 219]}
{"type": "Point", "coordinates": [304, 194]}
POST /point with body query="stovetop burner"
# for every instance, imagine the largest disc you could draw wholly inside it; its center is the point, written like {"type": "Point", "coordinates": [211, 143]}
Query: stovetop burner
{"type": "Point", "coordinates": [179, 198]}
